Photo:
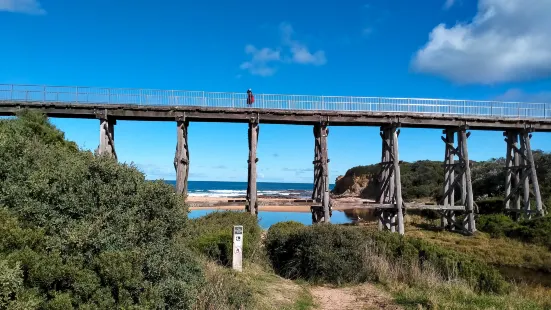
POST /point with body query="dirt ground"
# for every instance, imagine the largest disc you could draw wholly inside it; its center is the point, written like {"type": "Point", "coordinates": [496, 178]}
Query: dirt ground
{"type": "Point", "coordinates": [365, 296]}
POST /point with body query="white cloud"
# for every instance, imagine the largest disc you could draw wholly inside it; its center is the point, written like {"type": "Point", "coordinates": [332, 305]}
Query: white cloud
{"type": "Point", "coordinates": [448, 4]}
{"type": "Point", "coordinates": [263, 61]}
{"type": "Point", "coordinates": [299, 52]}
{"type": "Point", "coordinates": [22, 6]}
{"type": "Point", "coordinates": [507, 40]}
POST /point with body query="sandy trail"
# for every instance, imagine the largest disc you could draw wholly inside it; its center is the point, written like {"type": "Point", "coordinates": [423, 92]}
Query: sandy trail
{"type": "Point", "coordinates": [365, 296]}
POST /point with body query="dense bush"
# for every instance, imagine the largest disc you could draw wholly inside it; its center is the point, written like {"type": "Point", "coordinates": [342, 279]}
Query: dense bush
{"type": "Point", "coordinates": [276, 241]}
{"type": "Point", "coordinates": [537, 230]}
{"type": "Point", "coordinates": [338, 254]}
{"type": "Point", "coordinates": [84, 231]}
{"type": "Point", "coordinates": [212, 235]}
{"type": "Point", "coordinates": [491, 206]}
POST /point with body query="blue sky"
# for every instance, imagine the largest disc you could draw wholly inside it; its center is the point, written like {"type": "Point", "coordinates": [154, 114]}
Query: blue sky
{"type": "Point", "coordinates": [486, 49]}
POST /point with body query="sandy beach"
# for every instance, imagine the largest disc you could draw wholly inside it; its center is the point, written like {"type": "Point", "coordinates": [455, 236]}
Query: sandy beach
{"type": "Point", "coordinates": [266, 204]}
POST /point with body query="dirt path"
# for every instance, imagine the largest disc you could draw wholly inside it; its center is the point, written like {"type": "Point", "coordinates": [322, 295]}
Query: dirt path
{"type": "Point", "coordinates": [365, 296]}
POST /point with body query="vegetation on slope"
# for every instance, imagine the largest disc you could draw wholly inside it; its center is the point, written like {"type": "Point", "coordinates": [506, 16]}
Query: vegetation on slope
{"type": "Point", "coordinates": [419, 272]}
{"type": "Point", "coordinates": [84, 231]}
{"type": "Point", "coordinates": [340, 254]}
{"type": "Point", "coordinates": [425, 178]}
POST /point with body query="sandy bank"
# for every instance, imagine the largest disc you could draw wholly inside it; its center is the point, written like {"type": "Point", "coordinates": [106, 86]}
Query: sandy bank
{"type": "Point", "coordinates": [266, 204]}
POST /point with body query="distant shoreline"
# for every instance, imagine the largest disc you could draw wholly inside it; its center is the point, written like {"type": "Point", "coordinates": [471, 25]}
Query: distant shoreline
{"type": "Point", "coordinates": [277, 204]}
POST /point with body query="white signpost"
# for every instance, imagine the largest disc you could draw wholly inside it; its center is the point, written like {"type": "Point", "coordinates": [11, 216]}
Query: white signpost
{"type": "Point", "coordinates": [237, 262]}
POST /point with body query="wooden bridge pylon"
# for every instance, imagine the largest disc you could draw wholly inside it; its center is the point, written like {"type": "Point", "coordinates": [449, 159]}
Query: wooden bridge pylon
{"type": "Point", "coordinates": [457, 175]}
{"type": "Point", "coordinates": [520, 173]}
{"type": "Point", "coordinates": [181, 157]}
{"type": "Point", "coordinates": [107, 137]}
{"type": "Point", "coordinates": [252, 201]}
{"type": "Point", "coordinates": [322, 211]}
{"type": "Point", "coordinates": [390, 184]}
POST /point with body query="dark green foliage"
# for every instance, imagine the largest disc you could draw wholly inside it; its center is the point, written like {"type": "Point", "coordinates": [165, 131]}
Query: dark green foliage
{"type": "Point", "coordinates": [372, 170]}
{"type": "Point", "coordinates": [338, 254]}
{"type": "Point", "coordinates": [537, 230]}
{"type": "Point", "coordinates": [276, 242]}
{"type": "Point", "coordinates": [86, 231]}
{"type": "Point", "coordinates": [491, 206]}
{"type": "Point", "coordinates": [212, 235]}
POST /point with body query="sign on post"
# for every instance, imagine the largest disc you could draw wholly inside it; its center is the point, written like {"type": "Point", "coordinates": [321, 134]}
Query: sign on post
{"type": "Point", "coordinates": [237, 261]}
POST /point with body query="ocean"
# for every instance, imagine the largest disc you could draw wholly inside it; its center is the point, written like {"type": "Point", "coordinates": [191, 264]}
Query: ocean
{"type": "Point", "coordinates": [265, 189]}
{"type": "Point", "coordinates": [239, 189]}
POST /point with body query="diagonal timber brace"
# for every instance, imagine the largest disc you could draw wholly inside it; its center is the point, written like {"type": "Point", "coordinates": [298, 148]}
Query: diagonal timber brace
{"type": "Point", "coordinates": [320, 194]}
{"type": "Point", "coordinates": [390, 184]}
{"type": "Point", "coordinates": [457, 176]}
{"type": "Point", "coordinates": [520, 172]}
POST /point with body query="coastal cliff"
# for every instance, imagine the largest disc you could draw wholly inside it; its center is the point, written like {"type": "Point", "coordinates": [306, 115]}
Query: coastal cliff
{"type": "Point", "coordinates": [357, 182]}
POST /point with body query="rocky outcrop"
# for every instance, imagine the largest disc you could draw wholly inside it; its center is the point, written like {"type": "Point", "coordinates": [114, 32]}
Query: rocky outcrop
{"type": "Point", "coordinates": [355, 186]}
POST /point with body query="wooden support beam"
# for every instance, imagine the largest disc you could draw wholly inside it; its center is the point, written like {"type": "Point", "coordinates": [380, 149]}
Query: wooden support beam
{"type": "Point", "coordinates": [390, 185]}
{"type": "Point", "coordinates": [397, 183]}
{"type": "Point", "coordinates": [510, 138]}
{"type": "Point", "coordinates": [526, 180]}
{"type": "Point", "coordinates": [320, 193]}
{"type": "Point", "coordinates": [251, 187]}
{"type": "Point", "coordinates": [181, 158]}
{"type": "Point", "coordinates": [107, 137]}
{"type": "Point", "coordinates": [533, 175]}
{"type": "Point", "coordinates": [469, 217]}
{"type": "Point", "coordinates": [324, 133]}
{"type": "Point", "coordinates": [317, 163]}
{"type": "Point", "coordinates": [520, 173]}
{"type": "Point", "coordinates": [449, 176]}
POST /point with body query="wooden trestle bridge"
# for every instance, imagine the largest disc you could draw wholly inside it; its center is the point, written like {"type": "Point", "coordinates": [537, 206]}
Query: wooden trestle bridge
{"type": "Point", "coordinates": [455, 117]}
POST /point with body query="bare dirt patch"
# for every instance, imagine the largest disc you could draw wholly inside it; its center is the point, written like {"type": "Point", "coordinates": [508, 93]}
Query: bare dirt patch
{"type": "Point", "coordinates": [365, 296]}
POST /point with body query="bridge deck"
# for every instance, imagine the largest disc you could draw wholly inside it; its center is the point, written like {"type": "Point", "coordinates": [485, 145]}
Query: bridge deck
{"type": "Point", "coordinates": [271, 116]}
{"type": "Point", "coordinates": [167, 105]}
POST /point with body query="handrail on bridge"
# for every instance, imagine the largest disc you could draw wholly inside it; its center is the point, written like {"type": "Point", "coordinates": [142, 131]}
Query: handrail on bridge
{"type": "Point", "coordinates": [152, 97]}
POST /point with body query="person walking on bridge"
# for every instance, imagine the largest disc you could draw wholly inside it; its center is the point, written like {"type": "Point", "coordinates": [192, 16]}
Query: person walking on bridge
{"type": "Point", "coordinates": [250, 97]}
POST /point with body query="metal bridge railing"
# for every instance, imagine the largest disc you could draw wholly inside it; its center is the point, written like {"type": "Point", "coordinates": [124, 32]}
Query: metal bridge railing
{"type": "Point", "coordinates": [89, 95]}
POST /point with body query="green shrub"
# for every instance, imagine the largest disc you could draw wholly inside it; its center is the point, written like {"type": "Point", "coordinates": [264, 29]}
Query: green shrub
{"type": "Point", "coordinates": [537, 230]}
{"type": "Point", "coordinates": [491, 206]}
{"type": "Point", "coordinates": [212, 235]}
{"type": "Point", "coordinates": [497, 225]}
{"type": "Point", "coordinates": [338, 254]}
{"type": "Point", "coordinates": [278, 235]}
{"type": "Point", "coordinates": [87, 231]}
